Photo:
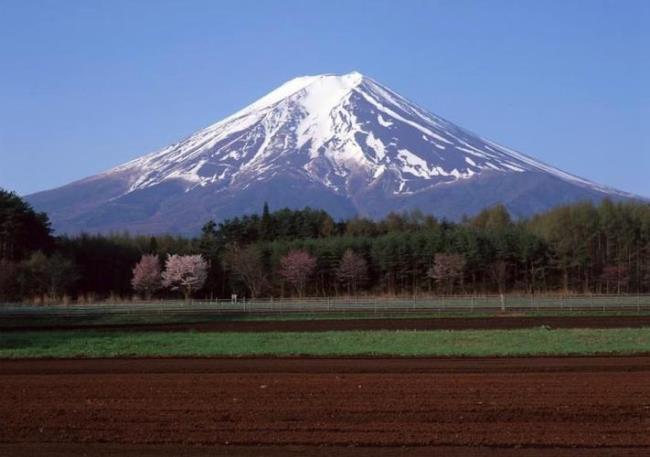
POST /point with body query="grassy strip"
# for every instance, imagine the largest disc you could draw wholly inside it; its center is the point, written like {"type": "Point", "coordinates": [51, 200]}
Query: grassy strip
{"type": "Point", "coordinates": [539, 341]}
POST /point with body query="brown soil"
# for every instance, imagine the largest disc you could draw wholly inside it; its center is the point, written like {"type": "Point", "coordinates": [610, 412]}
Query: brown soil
{"type": "Point", "coordinates": [318, 407]}
{"type": "Point", "coordinates": [317, 325]}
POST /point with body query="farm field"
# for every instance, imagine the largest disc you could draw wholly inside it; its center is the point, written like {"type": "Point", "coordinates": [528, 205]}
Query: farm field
{"type": "Point", "coordinates": [569, 406]}
{"type": "Point", "coordinates": [454, 383]}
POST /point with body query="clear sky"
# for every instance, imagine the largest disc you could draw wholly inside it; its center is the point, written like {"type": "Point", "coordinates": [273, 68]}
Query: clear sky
{"type": "Point", "coordinates": [86, 85]}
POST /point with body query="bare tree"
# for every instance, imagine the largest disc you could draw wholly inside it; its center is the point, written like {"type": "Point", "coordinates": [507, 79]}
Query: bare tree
{"type": "Point", "coordinates": [186, 273]}
{"type": "Point", "coordinates": [352, 271]}
{"type": "Point", "coordinates": [447, 269]}
{"type": "Point", "coordinates": [43, 276]}
{"type": "Point", "coordinates": [33, 275]}
{"type": "Point", "coordinates": [617, 274]}
{"type": "Point", "coordinates": [296, 267]}
{"type": "Point", "coordinates": [146, 275]}
{"type": "Point", "coordinates": [246, 264]}
{"type": "Point", "coordinates": [499, 274]}
{"type": "Point", "coordinates": [63, 273]}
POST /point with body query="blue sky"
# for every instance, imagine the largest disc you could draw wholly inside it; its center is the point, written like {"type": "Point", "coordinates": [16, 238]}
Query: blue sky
{"type": "Point", "coordinates": [88, 85]}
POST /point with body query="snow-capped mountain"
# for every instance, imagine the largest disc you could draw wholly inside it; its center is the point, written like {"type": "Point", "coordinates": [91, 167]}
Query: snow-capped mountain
{"type": "Point", "coordinates": [344, 143]}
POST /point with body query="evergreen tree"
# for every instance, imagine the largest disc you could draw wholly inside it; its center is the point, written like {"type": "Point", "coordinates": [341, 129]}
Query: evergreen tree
{"type": "Point", "coordinates": [22, 230]}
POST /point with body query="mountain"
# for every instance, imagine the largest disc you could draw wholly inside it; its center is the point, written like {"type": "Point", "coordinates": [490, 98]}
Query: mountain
{"type": "Point", "coordinates": [346, 144]}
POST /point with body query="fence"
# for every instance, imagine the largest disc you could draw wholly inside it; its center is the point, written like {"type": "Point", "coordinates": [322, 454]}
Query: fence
{"type": "Point", "coordinates": [461, 304]}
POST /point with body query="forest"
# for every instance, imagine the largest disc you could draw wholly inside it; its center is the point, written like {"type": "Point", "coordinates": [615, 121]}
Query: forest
{"type": "Point", "coordinates": [578, 248]}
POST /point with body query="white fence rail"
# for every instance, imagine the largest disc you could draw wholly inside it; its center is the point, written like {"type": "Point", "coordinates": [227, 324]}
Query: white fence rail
{"type": "Point", "coordinates": [345, 305]}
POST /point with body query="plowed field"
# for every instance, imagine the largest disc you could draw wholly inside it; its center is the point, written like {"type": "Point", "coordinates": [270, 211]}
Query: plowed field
{"type": "Point", "coordinates": [272, 407]}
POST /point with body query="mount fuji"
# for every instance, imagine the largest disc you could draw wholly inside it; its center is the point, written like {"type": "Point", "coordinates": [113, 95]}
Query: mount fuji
{"type": "Point", "coordinates": [343, 143]}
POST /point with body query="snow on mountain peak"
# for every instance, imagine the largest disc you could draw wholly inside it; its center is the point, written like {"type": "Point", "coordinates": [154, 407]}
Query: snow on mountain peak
{"type": "Point", "coordinates": [339, 131]}
{"type": "Point", "coordinates": [325, 81]}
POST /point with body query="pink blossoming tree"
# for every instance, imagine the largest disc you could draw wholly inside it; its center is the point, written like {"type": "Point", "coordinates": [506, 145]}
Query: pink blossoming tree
{"type": "Point", "coordinates": [186, 273]}
{"type": "Point", "coordinates": [146, 275]}
{"type": "Point", "coordinates": [296, 267]}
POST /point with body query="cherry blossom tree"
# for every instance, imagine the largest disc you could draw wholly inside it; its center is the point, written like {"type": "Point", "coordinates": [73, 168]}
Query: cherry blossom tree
{"type": "Point", "coordinates": [296, 267]}
{"type": "Point", "coordinates": [146, 275]}
{"type": "Point", "coordinates": [186, 273]}
{"type": "Point", "coordinates": [352, 271]}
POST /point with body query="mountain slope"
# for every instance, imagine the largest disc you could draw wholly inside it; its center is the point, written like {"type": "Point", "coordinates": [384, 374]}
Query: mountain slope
{"type": "Point", "coordinates": [345, 143]}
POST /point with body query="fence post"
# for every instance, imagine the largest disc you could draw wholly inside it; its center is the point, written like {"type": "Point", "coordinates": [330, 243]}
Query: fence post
{"type": "Point", "coordinates": [503, 303]}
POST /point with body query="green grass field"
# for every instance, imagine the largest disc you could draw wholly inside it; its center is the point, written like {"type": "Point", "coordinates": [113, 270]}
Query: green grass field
{"type": "Point", "coordinates": [528, 342]}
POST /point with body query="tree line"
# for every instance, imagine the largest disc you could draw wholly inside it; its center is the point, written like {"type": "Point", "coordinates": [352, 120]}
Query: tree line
{"type": "Point", "coordinates": [578, 248]}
